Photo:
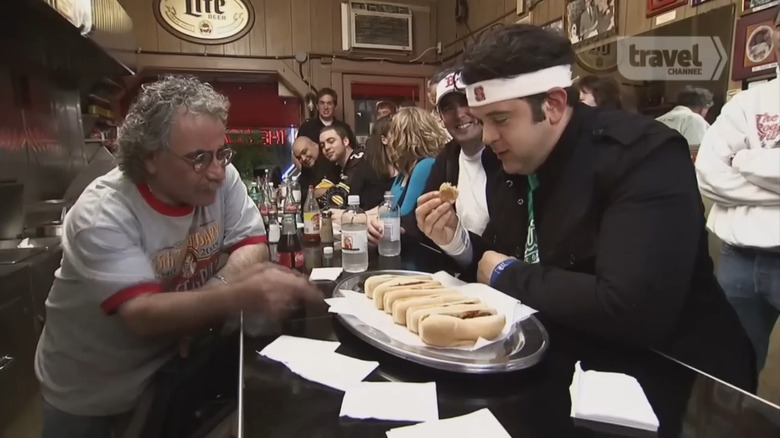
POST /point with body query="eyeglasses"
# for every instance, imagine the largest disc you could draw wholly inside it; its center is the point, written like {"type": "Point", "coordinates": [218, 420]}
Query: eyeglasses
{"type": "Point", "coordinates": [202, 160]}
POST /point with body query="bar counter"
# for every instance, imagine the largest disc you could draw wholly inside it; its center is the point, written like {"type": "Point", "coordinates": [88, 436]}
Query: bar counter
{"type": "Point", "coordinates": [535, 402]}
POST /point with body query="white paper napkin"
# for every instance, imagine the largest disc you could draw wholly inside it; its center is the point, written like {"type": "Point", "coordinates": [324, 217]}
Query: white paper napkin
{"type": "Point", "coordinates": [391, 401]}
{"type": "Point", "coordinates": [316, 360]}
{"type": "Point", "coordinates": [292, 349]}
{"type": "Point", "coordinates": [479, 424]}
{"type": "Point", "coordinates": [612, 398]}
{"type": "Point", "coordinates": [329, 274]}
{"type": "Point", "coordinates": [335, 370]}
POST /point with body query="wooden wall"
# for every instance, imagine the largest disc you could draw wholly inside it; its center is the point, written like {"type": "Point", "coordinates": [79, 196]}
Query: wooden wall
{"type": "Point", "coordinates": [631, 20]}
{"type": "Point", "coordinates": [483, 14]}
{"type": "Point", "coordinates": [282, 28]}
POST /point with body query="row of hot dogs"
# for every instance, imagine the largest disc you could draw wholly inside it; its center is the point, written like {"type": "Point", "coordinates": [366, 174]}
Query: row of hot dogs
{"type": "Point", "coordinates": [440, 316]}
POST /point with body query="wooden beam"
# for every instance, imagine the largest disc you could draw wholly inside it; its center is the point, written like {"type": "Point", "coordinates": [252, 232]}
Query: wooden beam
{"type": "Point", "coordinates": [181, 63]}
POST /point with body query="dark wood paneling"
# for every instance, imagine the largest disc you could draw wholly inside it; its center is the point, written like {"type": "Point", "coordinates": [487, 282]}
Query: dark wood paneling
{"type": "Point", "coordinates": [257, 40]}
{"type": "Point", "coordinates": [278, 28]}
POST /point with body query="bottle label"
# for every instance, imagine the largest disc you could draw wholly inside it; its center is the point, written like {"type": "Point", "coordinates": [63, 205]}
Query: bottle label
{"type": "Point", "coordinates": [297, 195]}
{"type": "Point", "coordinates": [292, 260]}
{"type": "Point", "coordinates": [311, 223]}
{"type": "Point", "coordinates": [354, 241]}
{"type": "Point", "coordinates": [391, 228]}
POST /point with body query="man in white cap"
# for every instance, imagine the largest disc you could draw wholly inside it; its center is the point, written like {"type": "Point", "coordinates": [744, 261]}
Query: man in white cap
{"type": "Point", "coordinates": [612, 225]}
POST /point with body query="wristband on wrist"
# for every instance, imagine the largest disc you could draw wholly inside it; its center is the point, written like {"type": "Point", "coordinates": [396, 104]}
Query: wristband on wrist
{"type": "Point", "coordinates": [499, 269]}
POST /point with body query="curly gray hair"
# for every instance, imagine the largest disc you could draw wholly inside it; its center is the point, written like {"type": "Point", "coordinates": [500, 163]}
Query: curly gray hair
{"type": "Point", "coordinates": [147, 127]}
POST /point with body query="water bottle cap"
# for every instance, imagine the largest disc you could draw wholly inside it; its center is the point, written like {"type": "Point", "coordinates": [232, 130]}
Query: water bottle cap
{"type": "Point", "coordinates": [327, 250]}
{"type": "Point", "coordinates": [353, 200]}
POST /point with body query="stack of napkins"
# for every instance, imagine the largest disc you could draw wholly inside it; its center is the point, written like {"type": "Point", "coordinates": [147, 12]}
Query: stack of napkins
{"type": "Point", "coordinates": [393, 401]}
{"type": "Point", "coordinates": [317, 361]}
{"type": "Point", "coordinates": [479, 424]}
{"type": "Point", "coordinates": [611, 398]}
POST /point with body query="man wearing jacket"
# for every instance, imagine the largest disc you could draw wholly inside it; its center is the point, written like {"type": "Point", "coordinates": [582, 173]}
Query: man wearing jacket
{"type": "Point", "coordinates": [738, 167]}
{"type": "Point", "coordinates": [614, 250]}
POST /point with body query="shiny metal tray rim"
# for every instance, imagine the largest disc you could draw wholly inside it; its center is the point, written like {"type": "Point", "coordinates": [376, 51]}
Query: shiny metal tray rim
{"type": "Point", "coordinates": [353, 324]}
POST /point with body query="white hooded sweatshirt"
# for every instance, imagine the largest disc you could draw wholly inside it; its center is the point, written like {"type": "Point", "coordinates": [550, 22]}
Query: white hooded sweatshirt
{"type": "Point", "coordinates": [738, 167]}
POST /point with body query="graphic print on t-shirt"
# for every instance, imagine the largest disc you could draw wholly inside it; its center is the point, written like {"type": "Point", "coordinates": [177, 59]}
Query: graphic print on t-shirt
{"type": "Point", "coordinates": [188, 264]}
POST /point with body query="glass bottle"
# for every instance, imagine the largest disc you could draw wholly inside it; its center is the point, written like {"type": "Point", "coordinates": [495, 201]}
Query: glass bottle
{"type": "Point", "coordinates": [311, 218]}
{"type": "Point", "coordinates": [289, 249]}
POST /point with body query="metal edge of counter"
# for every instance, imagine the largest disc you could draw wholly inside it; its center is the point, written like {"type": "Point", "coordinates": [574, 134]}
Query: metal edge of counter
{"type": "Point", "coordinates": [240, 412]}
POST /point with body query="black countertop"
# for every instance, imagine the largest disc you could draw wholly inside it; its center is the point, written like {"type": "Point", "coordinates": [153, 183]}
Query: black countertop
{"type": "Point", "coordinates": [528, 403]}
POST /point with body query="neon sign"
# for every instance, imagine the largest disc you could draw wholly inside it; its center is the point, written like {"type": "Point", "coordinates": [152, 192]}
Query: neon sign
{"type": "Point", "coordinates": [260, 136]}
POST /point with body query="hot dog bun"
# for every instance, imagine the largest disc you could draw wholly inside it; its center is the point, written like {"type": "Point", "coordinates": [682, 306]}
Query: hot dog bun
{"type": "Point", "coordinates": [382, 289]}
{"type": "Point", "coordinates": [400, 306]}
{"type": "Point", "coordinates": [374, 281]}
{"type": "Point", "coordinates": [393, 295]}
{"type": "Point", "coordinates": [441, 330]}
{"type": "Point", "coordinates": [448, 192]}
{"type": "Point", "coordinates": [471, 308]}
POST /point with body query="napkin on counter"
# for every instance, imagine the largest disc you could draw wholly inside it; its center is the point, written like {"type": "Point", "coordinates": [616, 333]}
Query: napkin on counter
{"type": "Point", "coordinates": [611, 398]}
{"type": "Point", "coordinates": [479, 424]}
{"type": "Point", "coordinates": [329, 274]}
{"type": "Point", "coordinates": [317, 361]}
{"type": "Point", "coordinates": [292, 349]}
{"type": "Point", "coordinates": [335, 370]}
{"type": "Point", "coordinates": [391, 401]}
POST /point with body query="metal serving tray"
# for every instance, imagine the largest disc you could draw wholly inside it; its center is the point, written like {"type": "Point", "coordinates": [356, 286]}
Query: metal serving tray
{"type": "Point", "coordinates": [524, 348]}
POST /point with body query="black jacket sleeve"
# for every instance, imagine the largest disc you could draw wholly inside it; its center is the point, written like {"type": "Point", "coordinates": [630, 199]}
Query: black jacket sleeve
{"type": "Point", "coordinates": [645, 256]}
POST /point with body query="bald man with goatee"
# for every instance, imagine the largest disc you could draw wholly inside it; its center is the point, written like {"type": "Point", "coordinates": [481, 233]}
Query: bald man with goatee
{"type": "Point", "coordinates": [313, 164]}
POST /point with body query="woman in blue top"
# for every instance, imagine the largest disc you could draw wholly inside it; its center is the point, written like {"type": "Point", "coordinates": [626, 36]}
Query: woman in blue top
{"type": "Point", "coordinates": [414, 140]}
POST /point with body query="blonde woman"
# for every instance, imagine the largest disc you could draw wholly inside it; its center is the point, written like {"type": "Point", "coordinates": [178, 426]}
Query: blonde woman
{"type": "Point", "coordinates": [415, 139]}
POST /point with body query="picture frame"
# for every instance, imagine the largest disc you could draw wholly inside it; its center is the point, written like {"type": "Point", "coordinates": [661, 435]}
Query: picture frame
{"type": "Point", "coordinates": [750, 6]}
{"type": "Point", "coordinates": [657, 7]}
{"type": "Point", "coordinates": [754, 51]}
{"type": "Point", "coordinates": [587, 21]}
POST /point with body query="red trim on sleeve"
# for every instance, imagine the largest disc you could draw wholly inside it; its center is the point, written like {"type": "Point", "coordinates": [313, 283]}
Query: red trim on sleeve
{"type": "Point", "coordinates": [110, 304]}
{"type": "Point", "coordinates": [248, 241]}
{"type": "Point", "coordinates": [160, 206]}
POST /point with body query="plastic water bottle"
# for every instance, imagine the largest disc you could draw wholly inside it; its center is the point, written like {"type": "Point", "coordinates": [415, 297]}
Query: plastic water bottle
{"type": "Point", "coordinates": [390, 217]}
{"type": "Point", "coordinates": [354, 237]}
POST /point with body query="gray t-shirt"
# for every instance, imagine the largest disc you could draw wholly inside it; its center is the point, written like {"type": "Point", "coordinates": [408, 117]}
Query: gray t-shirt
{"type": "Point", "coordinates": [120, 242]}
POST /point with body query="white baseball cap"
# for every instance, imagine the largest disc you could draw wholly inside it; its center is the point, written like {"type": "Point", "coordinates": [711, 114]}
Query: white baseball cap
{"type": "Point", "coordinates": [452, 83]}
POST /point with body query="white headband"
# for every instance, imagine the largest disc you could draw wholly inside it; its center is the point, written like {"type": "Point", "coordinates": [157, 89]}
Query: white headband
{"type": "Point", "coordinates": [526, 84]}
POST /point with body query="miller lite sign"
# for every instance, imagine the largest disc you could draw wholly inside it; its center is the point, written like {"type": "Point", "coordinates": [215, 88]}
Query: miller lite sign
{"type": "Point", "coordinates": [205, 21]}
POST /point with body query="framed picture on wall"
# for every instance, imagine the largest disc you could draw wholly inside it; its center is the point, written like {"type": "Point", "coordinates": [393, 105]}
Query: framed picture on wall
{"type": "Point", "coordinates": [589, 20]}
{"type": "Point", "coordinates": [749, 6]}
{"type": "Point", "coordinates": [754, 50]}
{"type": "Point", "coordinates": [655, 7]}
{"type": "Point", "coordinates": [698, 2]}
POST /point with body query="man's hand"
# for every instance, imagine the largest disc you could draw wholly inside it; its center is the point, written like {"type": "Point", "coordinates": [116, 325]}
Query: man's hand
{"type": "Point", "coordinates": [436, 219]}
{"type": "Point", "coordinates": [274, 291]}
{"type": "Point", "coordinates": [487, 264]}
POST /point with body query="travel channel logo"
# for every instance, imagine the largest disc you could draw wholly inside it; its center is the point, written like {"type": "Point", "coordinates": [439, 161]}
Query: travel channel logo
{"type": "Point", "coordinates": [671, 58]}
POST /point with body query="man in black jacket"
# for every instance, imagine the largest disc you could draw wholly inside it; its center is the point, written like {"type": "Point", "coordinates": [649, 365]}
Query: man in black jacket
{"type": "Point", "coordinates": [464, 162]}
{"type": "Point", "coordinates": [327, 101]}
{"type": "Point", "coordinates": [607, 219]}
